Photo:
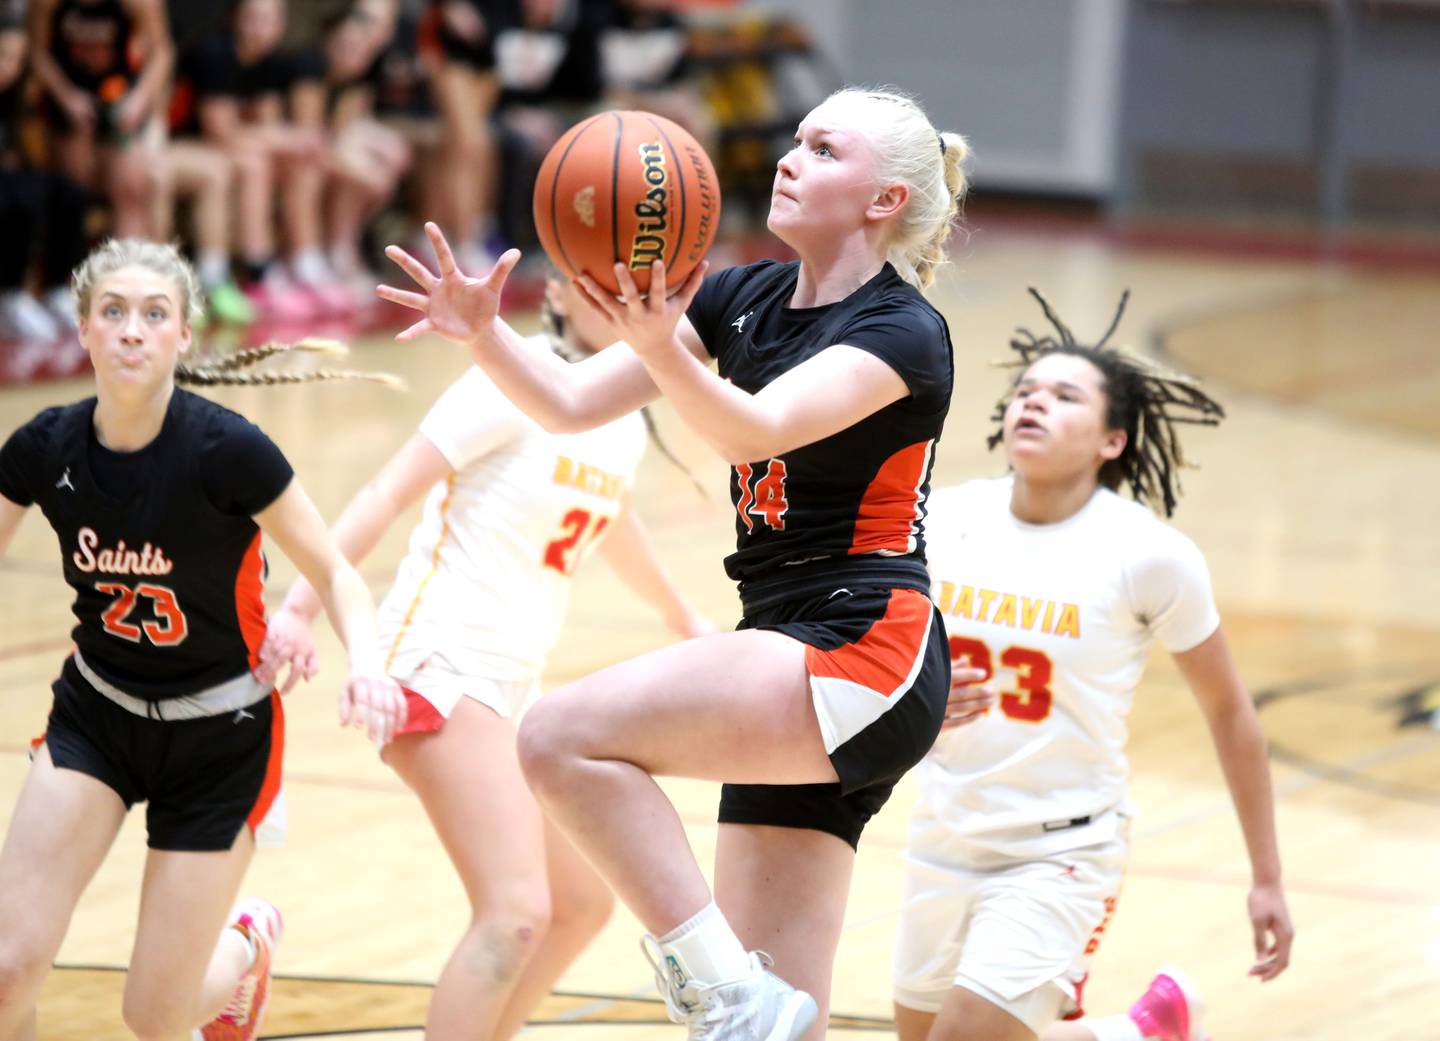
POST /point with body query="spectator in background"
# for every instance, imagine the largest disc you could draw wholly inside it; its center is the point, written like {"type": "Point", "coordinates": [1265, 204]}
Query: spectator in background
{"type": "Point", "coordinates": [459, 38]}
{"type": "Point", "coordinates": [550, 78]}
{"type": "Point", "coordinates": [104, 66]}
{"type": "Point", "coordinates": [37, 210]}
{"type": "Point", "coordinates": [400, 83]}
{"type": "Point", "coordinates": [265, 108]}
{"type": "Point", "coordinates": [367, 158]}
{"type": "Point", "coordinates": [644, 64]}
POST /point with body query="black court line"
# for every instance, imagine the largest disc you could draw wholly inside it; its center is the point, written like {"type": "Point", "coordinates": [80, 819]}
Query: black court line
{"type": "Point", "coordinates": [839, 1021]}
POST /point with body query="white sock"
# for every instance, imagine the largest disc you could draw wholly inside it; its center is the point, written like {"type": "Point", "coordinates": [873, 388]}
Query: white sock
{"type": "Point", "coordinates": [705, 948]}
{"type": "Point", "coordinates": [309, 266]}
{"type": "Point", "coordinates": [1113, 1028]}
{"type": "Point", "coordinates": [213, 267]}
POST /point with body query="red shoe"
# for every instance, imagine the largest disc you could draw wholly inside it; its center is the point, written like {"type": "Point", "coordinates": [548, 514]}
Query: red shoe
{"type": "Point", "coordinates": [281, 303]}
{"type": "Point", "coordinates": [1170, 1009]}
{"type": "Point", "coordinates": [260, 921]}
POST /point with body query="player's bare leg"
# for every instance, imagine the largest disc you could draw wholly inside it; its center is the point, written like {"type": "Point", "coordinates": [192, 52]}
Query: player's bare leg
{"type": "Point", "coordinates": [64, 824]}
{"type": "Point", "coordinates": [469, 781]}
{"type": "Point", "coordinates": [795, 918]}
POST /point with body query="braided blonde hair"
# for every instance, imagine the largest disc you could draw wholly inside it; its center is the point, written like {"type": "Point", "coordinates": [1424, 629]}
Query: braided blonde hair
{"type": "Point", "coordinates": [228, 371]}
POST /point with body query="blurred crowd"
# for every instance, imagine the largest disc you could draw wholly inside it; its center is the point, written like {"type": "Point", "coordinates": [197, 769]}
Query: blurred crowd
{"type": "Point", "coordinates": [284, 143]}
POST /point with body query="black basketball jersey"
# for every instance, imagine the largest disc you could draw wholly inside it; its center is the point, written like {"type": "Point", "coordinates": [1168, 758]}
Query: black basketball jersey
{"type": "Point", "coordinates": [90, 40]}
{"type": "Point", "coordinates": [854, 501]}
{"type": "Point", "coordinates": [158, 544]}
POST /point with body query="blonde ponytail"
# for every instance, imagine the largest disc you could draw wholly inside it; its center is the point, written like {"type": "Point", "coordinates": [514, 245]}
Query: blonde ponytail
{"type": "Point", "coordinates": [931, 165]}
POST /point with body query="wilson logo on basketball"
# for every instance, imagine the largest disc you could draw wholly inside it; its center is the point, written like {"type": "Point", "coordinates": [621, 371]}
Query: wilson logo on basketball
{"type": "Point", "coordinates": [653, 210]}
{"type": "Point", "coordinates": [584, 203]}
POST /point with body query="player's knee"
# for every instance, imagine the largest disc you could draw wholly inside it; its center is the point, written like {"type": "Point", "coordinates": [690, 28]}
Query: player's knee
{"type": "Point", "coordinates": [22, 968]}
{"type": "Point", "coordinates": [544, 746]}
{"type": "Point", "coordinates": [505, 934]}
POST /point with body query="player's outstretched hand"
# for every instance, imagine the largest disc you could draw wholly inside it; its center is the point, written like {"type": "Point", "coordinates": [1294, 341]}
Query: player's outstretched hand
{"type": "Point", "coordinates": [970, 696]}
{"type": "Point", "coordinates": [645, 322]}
{"type": "Point", "coordinates": [457, 306]}
{"type": "Point", "coordinates": [1274, 933]}
{"type": "Point", "coordinates": [373, 703]}
{"type": "Point", "coordinates": [288, 643]}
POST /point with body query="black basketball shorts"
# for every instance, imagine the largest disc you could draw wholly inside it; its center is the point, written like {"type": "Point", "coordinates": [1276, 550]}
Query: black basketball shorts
{"type": "Point", "coordinates": [879, 672]}
{"type": "Point", "coordinates": [204, 779]}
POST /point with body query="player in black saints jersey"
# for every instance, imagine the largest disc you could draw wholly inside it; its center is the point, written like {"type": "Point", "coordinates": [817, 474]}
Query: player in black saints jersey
{"type": "Point", "coordinates": [159, 499]}
{"type": "Point", "coordinates": [834, 379]}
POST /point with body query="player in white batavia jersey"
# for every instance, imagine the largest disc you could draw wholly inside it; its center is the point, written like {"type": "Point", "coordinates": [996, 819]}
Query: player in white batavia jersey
{"type": "Point", "coordinates": [477, 604]}
{"type": "Point", "coordinates": [1053, 589]}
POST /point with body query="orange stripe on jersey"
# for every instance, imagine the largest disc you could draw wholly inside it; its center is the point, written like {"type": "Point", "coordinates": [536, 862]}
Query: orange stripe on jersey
{"type": "Point", "coordinates": [434, 567]}
{"type": "Point", "coordinates": [250, 599]}
{"type": "Point", "coordinates": [890, 509]}
{"type": "Point", "coordinates": [883, 659]}
{"type": "Point", "coordinates": [270, 787]}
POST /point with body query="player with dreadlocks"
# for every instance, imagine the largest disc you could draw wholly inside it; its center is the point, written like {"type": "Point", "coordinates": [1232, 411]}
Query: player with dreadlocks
{"type": "Point", "coordinates": [477, 604]}
{"type": "Point", "coordinates": [1053, 588]}
{"type": "Point", "coordinates": [159, 499]}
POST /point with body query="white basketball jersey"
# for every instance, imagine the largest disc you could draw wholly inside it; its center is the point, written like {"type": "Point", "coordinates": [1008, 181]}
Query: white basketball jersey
{"type": "Point", "coordinates": [1063, 616]}
{"type": "Point", "coordinates": [486, 578]}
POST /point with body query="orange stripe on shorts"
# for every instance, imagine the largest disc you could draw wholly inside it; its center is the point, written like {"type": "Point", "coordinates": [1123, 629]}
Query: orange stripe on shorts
{"type": "Point", "coordinates": [884, 657]}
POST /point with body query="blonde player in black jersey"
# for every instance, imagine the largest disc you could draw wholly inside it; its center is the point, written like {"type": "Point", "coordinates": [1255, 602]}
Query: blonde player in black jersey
{"type": "Point", "coordinates": [1053, 589]}
{"type": "Point", "coordinates": [159, 498]}
{"type": "Point", "coordinates": [834, 380]}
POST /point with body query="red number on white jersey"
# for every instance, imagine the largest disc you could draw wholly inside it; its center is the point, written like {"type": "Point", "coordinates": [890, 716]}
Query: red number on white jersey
{"type": "Point", "coordinates": [564, 552]}
{"type": "Point", "coordinates": [1033, 672]}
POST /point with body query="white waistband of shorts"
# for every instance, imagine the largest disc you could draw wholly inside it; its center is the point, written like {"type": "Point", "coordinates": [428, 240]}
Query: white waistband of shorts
{"type": "Point", "coordinates": [232, 695]}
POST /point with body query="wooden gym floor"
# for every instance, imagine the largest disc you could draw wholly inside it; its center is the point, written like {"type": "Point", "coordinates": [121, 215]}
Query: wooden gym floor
{"type": "Point", "coordinates": [1317, 505]}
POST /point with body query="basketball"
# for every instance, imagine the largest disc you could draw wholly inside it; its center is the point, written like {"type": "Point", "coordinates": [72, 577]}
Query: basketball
{"type": "Point", "coordinates": [627, 187]}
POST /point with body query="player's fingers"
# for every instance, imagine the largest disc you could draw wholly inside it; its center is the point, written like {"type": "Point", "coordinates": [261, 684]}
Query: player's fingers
{"type": "Point", "coordinates": [412, 267]}
{"type": "Point", "coordinates": [420, 328]}
{"type": "Point", "coordinates": [444, 259]}
{"type": "Point", "coordinates": [658, 285]}
{"type": "Point", "coordinates": [404, 297]}
{"type": "Point", "coordinates": [597, 298]}
{"type": "Point", "coordinates": [629, 291]}
{"type": "Point", "coordinates": [495, 280]}
{"type": "Point", "coordinates": [691, 285]}
{"type": "Point", "coordinates": [291, 679]}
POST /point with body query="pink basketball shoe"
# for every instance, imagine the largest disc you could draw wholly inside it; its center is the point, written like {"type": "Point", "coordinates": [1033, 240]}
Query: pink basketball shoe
{"type": "Point", "coordinates": [1170, 1009]}
{"type": "Point", "coordinates": [260, 921]}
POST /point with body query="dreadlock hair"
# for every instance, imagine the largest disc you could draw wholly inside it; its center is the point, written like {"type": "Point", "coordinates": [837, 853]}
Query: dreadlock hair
{"type": "Point", "coordinates": [552, 323]}
{"type": "Point", "coordinates": [229, 371]}
{"type": "Point", "coordinates": [1142, 398]}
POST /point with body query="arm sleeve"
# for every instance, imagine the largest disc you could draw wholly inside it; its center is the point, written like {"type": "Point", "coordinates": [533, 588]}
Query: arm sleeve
{"type": "Point", "coordinates": [913, 340]}
{"type": "Point", "coordinates": [1170, 588]}
{"type": "Point", "coordinates": [20, 460]}
{"type": "Point", "coordinates": [471, 419]}
{"type": "Point", "coordinates": [243, 470]}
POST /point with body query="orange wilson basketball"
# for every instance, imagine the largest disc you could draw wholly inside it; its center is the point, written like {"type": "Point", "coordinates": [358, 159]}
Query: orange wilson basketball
{"type": "Point", "coordinates": [631, 187]}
